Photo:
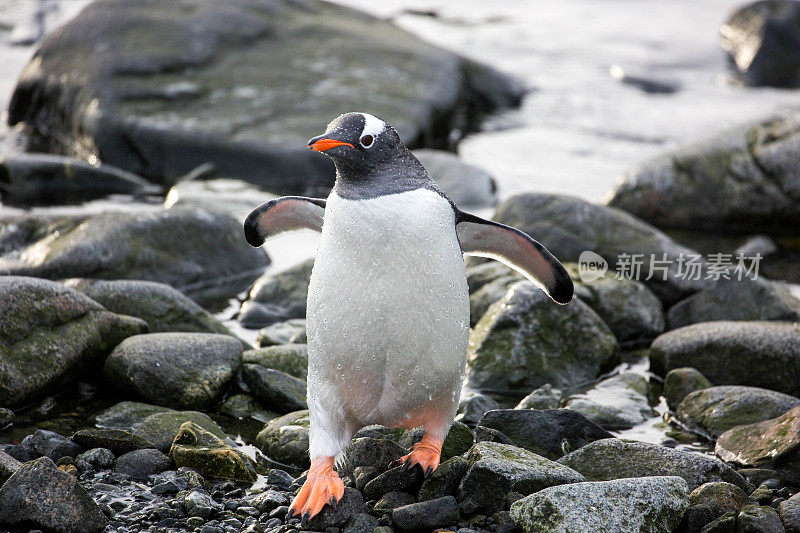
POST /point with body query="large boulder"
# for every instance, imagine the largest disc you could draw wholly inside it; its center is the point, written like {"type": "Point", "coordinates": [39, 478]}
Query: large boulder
{"type": "Point", "coordinates": [763, 43]}
{"type": "Point", "coordinates": [40, 494]}
{"type": "Point", "coordinates": [127, 415]}
{"type": "Point", "coordinates": [758, 354]}
{"type": "Point", "coordinates": [607, 459]}
{"type": "Point", "coordinates": [277, 297]}
{"type": "Point", "coordinates": [525, 340]}
{"type": "Point", "coordinates": [734, 300]}
{"type": "Point", "coordinates": [162, 428]}
{"type": "Point", "coordinates": [618, 402]}
{"type": "Point", "coordinates": [645, 505]}
{"type": "Point", "coordinates": [158, 89]}
{"type": "Point", "coordinates": [743, 179]}
{"type": "Point", "coordinates": [466, 185]}
{"type": "Point", "coordinates": [51, 334]}
{"type": "Point", "coordinates": [42, 179]}
{"type": "Point", "coordinates": [568, 226]}
{"type": "Point", "coordinates": [188, 370]}
{"type": "Point", "coordinates": [285, 439]}
{"type": "Point", "coordinates": [202, 254]}
{"type": "Point", "coordinates": [715, 410]}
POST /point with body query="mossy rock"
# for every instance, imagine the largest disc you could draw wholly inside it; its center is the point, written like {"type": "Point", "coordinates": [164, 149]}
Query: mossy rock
{"type": "Point", "coordinates": [127, 415]}
{"type": "Point", "coordinates": [201, 450]}
{"type": "Point", "coordinates": [772, 442]}
{"type": "Point", "coordinates": [458, 441]}
{"type": "Point", "coordinates": [289, 358]}
{"type": "Point", "coordinates": [285, 439]}
{"type": "Point", "coordinates": [162, 428]}
{"type": "Point", "coordinates": [680, 382]}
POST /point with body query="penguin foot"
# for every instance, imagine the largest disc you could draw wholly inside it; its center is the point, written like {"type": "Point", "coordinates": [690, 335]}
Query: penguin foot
{"type": "Point", "coordinates": [323, 486]}
{"type": "Point", "coordinates": [426, 453]}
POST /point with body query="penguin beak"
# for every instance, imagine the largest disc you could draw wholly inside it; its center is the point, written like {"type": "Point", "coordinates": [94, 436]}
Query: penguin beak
{"type": "Point", "coordinates": [322, 143]}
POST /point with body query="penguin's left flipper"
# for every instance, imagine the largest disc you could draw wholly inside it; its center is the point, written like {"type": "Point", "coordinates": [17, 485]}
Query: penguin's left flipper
{"type": "Point", "coordinates": [516, 249]}
{"type": "Point", "coordinates": [286, 213]}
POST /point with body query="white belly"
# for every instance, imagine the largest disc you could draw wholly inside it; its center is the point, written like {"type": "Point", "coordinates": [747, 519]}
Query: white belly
{"type": "Point", "coordinates": [388, 311]}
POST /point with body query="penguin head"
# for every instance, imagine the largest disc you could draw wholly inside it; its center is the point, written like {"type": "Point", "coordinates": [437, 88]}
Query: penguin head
{"type": "Point", "coordinates": [359, 143]}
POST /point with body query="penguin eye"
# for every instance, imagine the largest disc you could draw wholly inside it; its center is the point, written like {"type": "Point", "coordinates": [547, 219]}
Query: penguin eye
{"type": "Point", "coordinates": [366, 141]}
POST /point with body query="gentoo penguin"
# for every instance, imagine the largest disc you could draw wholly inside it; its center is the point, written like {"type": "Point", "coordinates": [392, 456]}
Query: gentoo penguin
{"type": "Point", "coordinates": [388, 307]}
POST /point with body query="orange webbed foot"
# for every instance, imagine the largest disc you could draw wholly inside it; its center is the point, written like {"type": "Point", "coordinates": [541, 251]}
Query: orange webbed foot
{"type": "Point", "coordinates": [323, 486]}
{"type": "Point", "coordinates": [427, 453]}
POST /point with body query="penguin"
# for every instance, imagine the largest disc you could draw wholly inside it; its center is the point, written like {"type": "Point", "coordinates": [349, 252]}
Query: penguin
{"type": "Point", "coordinates": [388, 305]}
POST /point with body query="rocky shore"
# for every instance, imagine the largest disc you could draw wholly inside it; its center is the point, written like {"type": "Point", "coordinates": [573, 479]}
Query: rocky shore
{"type": "Point", "coordinates": [661, 399]}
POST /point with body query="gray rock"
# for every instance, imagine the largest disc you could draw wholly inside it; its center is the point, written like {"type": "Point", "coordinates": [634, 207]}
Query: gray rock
{"type": "Point", "coordinates": [188, 370]}
{"type": "Point", "coordinates": [234, 197]}
{"type": "Point", "coordinates": [169, 246]}
{"type": "Point", "coordinates": [679, 382]}
{"type": "Point", "coordinates": [6, 417]}
{"type": "Point", "coordinates": [52, 445]}
{"type": "Point", "coordinates": [741, 179]}
{"type": "Point", "coordinates": [268, 500]}
{"type": "Point", "coordinates": [465, 184]}
{"type": "Point", "coordinates": [762, 40]}
{"type": "Point", "coordinates": [607, 459]}
{"type": "Point", "coordinates": [8, 466]}
{"type": "Point", "coordinates": [289, 358]}
{"type": "Point", "coordinates": [244, 407]}
{"type": "Point", "coordinates": [162, 307]}
{"type": "Point", "coordinates": [647, 505]}
{"type": "Point", "coordinates": [758, 519]}
{"type": "Point", "coordinates": [277, 297]}
{"type": "Point", "coordinates": [140, 464]}
{"type": "Point", "coordinates": [361, 523]}
{"type": "Point", "coordinates": [40, 494]}
{"type": "Point", "coordinates": [391, 501]}
{"type": "Point", "coordinates": [551, 433]}
{"type": "Point", "coordinates": [473, 405]}
{"type": "Point", "coordinates": [568, 226]}
{"type": "Point", "coordinates": [734, 300]}
{"type": "Point", "coordinates": [285, 439]}
{"type": "Point", "coordinates": [118, 441]}
{"type": "Point", "coordinates": [525, 340]}
{"type": "Point", "coordinates": [758, 354]}
{"type": "Point", "coordinates": [162, 428]}
{"type": "Point", "coordinates": [495, 470]}
{"type": "Point", "coordinates": [243, 77]}
{"type": "Point", "coordinates": [127, 415]}
{"type": "Point", "coordinates": [199, 503]}
{"type": "Point", "coordinates": [395, 480]}
{"type": "Point", "coordinates": [445, 480]}
{"type": "Point", "coordinates": [43, 179]}
{"type": "Point", "coordinates": [427, 515]}
{"type": "Point", "coordinates": [51, 335]}
{"type": "Point", "coordinates": [619, 402]}
{"type": "Point", "coordinates": [458, 440]}
{"type": "Point", "coordinates": [370, 452]}
{"type": "Point", "coordinates": [351, 504]}
{"type": "Point", "coordinates": [719, 498]}
{"type": "Point", "coordinates": [95, 459]}
{"type": "Point", "coordinates": [275, 389]}
{"type": "Point", "coordinates": [288, 332]}
{"type": "Point", "coordinates": [789, 511]}
{"type": "Point", "coordinates": [545, 397]}
{"type": "Point", "coordinates": [715, 410]}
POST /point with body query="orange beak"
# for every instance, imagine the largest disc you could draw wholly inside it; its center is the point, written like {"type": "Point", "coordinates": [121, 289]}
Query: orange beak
{"type": "Point", "coordinates": [326, 144]}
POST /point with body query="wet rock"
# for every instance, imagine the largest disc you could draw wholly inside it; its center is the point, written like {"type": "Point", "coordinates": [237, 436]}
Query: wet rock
{"type": "Point", "coordinates": [719, 498]}
{"type": "Point", "coordinates": [288, 332]}
{"type": "Point", "coordinates": [394, 480]}
{"type": "Point", "coordinates": [391, 501]}
{"type": "Point", "coordinates": [162, 307]}
{"type": "Point", "coordinates": [715, 410]}
{"type": "Point", "coordinates": [119, 99]}
{"type": "Point", "coordinates": [285, 439]}
{"type": "Point", "coordinates": [458, 440]}
{"type": "Point", "coordinates": [43, 179]}
{"type": "Point", "coordinates": [8, 466]}
{"type": "Point", "coordinates": [244, 406]}
{"type": "Point", "coordinates": [495, 470]}
{"type": "Point", "coordinates": [789, 511]}
{"type": "Point", "coordinates": [551, 433]}
{"type": "Point", "coordinates": [758, 354]}
{"type": "Point", "coordinates": [473, 405]}
{"type": "Point", "coordinates": [199, 503]}
{"type": "Point", "coordinates": [361, 523]}
{"type": "Point", "coordinates": [351, 504]}
{"type": "Point", "coordinates": [679, 382]}
{"type": "Point", "coordinates": [741, 179]}
{"type": "Point", "coordinates": [758, 519]}
{"type": "Point", "coordinates": [118, 441]}
{"type": "Point", "coordinates": [370, 452]}
{"type": "Point", "coordinates": [648, 504]}
{"type": "Point", "coordinates": [202, 451]}
{"type": "Point", "coordinates": [140, 464]}
{"type": "Point", "coordinates": [619, 402]}
{"type": "Point", "coordinates": [445, 480]}
{"type": "Point", "coordinates": [427, 515]}
{"type": "Point", "coordinates": [162, 428]}
{"type": "Point", "coordinates": [733, 300]}
{"type": "Point", "coordinates": [545, 397]}
{"type": "Point", "coordinates": [560, 224]}
{"type": "Point", "coordinates": [52, 445]}
{"type": "Point", "coordinates": [465, 184]}
{"type": "Point", "coordinates": [289, 358]}
{"type": "Point", "coordinates": [127, 415]}
{"type": "Point", "coordinates": [275, 389]}
{"type": "Point", "coordinates": [723, 524]}
{"type": "Point", "coordinates": [168, 246]}
{"type": "Point", "coordinates": [277, 297]}
{"type": "Point", "coordinates": [50, 335]}
{"type": "Point", "coordinates": [762, 40]}
{"type": "Point", "coordinates": [525, 340]}
{"type": "Point", "coordinates": [40, 494]}
{"type": "Point", "coordinates": [189, 370]}
{"type": "Point", "coordinates": [95, 459]}
{"type": "Point", "coordinates": [607, 459]}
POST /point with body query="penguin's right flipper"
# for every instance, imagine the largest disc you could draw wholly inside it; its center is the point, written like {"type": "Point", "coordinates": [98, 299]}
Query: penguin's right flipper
{"type": "Point", "coordinates": [486, 238]}
{"type": "Point", "coordinates": [286, 213]}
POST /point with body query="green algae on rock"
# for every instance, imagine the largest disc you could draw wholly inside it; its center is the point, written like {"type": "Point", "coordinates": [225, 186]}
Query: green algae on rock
{"type": "Point", "coordinates": [206, 453]}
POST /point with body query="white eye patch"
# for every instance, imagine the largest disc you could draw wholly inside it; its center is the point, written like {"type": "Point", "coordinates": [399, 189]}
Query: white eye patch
{"type": "Point", "coordinates": [372, 125]}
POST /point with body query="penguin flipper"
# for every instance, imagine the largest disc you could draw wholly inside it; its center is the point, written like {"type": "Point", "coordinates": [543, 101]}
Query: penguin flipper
{"type": "Point", "coordinates": [486, 238]}
{"type": "Point", "coordinates": [286, 213]}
